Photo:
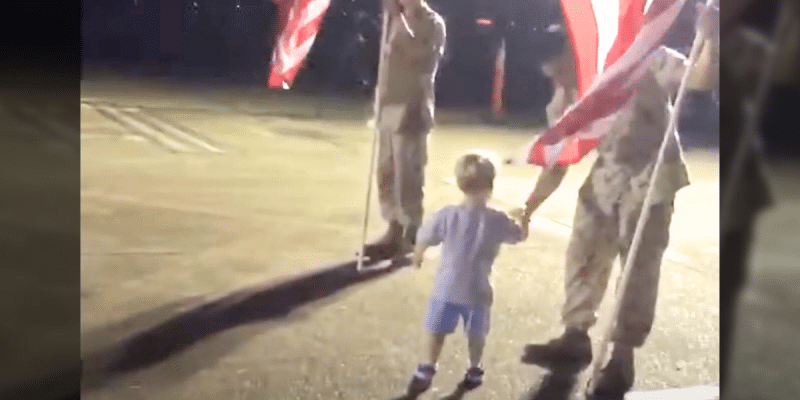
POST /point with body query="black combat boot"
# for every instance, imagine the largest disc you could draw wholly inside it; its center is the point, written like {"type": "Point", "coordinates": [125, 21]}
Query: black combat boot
{"type": "Point", "coordinates": [388, 246]}
{"type": "Point", "coordinates": [616, 378]}
{"type": "Point", "coordinates": [573, 348]}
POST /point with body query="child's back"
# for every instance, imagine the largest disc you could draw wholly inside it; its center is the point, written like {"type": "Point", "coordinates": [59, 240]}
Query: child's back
{"type": "Point", "coordinates": [471, 236]}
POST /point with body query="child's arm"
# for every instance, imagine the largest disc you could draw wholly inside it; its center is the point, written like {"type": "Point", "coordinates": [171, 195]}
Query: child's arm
{"type": "Point", "coordinates": [513, 228]}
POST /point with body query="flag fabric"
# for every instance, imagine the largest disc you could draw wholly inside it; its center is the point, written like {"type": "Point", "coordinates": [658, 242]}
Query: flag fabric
{"type": "Point", "coordinates": [499, 81]}
{"type": "Point", "coordinates": [613, 41]}
{"type": "Point", "coordinates": [299, 21]}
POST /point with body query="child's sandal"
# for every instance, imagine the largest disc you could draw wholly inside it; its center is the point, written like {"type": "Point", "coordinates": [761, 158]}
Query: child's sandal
{"type": "Point", "coordinates": [473, 378]}
{"type": "Point", "coordinates": [423, 376]}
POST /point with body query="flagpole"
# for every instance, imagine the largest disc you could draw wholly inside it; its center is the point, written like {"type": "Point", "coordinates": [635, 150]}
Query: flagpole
{"type": "Point", "coordinates": [643, 216]}
{"type": "Point", "coordinates": [375, 127]}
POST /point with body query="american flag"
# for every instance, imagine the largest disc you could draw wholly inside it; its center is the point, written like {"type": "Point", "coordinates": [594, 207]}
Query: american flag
{"type": "Point", "coordinates": [613, 41]}
{"type": "Point", "coordinates": [300, 22]}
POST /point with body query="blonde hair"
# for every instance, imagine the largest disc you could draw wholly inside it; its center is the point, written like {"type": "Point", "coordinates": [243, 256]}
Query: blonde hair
{"type": "Point", "coordinates": [475, 172]}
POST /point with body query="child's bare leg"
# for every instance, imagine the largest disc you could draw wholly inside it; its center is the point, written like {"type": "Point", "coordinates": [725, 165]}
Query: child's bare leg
{"type": "Point", "coordinates": [436, 343]}
{"type": "Point", "coordinates": [476, 344]}
{"type": "Point", "coordinates": [477, 329]}
{"type": "Point", "coordinates": [424, 373]}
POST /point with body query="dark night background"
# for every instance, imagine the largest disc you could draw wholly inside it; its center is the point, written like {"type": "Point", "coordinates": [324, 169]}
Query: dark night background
{"type": "Point", "coordinates": [230, 42]}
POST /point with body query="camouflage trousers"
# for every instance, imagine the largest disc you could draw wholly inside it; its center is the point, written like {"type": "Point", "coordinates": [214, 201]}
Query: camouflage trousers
{"type": "Point", "coordinates": [597, 239]}
{"type": "Point", "coordinates": [402, 158]}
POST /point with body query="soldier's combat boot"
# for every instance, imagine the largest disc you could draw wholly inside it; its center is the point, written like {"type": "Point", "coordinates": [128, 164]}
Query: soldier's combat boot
{"type": "Point", "coordinates": [386, 246]}
{"type": "Point", "coordinates": [571, 349]}
{"type": "Point", "coordinates": [616, 378]}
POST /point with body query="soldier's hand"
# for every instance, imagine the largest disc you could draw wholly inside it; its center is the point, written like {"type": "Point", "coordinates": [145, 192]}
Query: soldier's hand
{"type": "Point", "coordinates": [527, 212]}
{"type": "Point", "coordinates": [522, 218]}
{"type": "Point", "coordinates": [526, 226]}
{"type": "Point", "coordinates": [516, 213]}
{"type": "Point", "coordinates": [418, 256]}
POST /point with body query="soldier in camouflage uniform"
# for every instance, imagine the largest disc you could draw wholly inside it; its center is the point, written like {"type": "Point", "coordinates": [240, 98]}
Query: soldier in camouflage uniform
{"type": "Point", "coordinates": [609, 204]}
{"type": "Point", "coordinates": [406, 115]}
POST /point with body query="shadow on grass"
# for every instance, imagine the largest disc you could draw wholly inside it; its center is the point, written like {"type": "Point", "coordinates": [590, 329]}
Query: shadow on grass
{"type": "Point", "coordinates": [251, 305]}
{"type": "Point", "coordinates": [457, 394]}
{"type": "Point", "coordinates": [558, 383]}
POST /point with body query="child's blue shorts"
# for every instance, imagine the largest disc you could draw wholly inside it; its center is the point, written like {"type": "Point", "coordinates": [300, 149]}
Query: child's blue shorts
{"type": "Point", "coordinates": [443, 318]}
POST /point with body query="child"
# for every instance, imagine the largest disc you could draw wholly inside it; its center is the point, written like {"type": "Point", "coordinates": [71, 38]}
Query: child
{"type": "Point", "coordinates": [471, 234]}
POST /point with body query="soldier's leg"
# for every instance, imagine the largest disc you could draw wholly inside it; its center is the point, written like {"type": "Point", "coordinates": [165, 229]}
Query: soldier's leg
{"type": "Point", "coordinates": [384, 246]}
{"type": "Point", "coordinates": [385, 176]}
{"type": "Point", "coordinates": [590, 256]}
{"type": "Point", "coordinates": [411, 155]}
{"type": "Point", "coordinates": [637, 311]}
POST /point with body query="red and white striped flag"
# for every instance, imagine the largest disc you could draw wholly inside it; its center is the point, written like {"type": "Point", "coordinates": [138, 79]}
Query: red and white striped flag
{"type": "Point", "coordinates": [499, 82]}
{"type": "Point", "coordinates": [300, 21]}
{"type": "Point", "coordinates": [613, 41]}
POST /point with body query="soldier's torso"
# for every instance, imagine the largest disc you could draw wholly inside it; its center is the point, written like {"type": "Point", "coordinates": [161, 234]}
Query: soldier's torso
{"type": "Point", "coordinates": [407, 79]}
{"type": "Point", "coordinates": [628, 154]}
{"type": "Point", "coordinates": [408, 86]}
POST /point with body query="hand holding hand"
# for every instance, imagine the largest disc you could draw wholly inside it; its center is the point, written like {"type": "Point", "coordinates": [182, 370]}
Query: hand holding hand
{"type": "Point", "coordinates": [525, 225]}
{"type": "Point", "coordinates": [517, 213]}
{"type": "Point", "coordinates": [416, 260]}
{"type": "Point", "coordinates": [523, 219]}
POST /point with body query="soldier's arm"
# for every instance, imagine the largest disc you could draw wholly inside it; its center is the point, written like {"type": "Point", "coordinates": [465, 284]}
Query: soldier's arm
{"type": "Point", "coordinates": [561, 71]}
{"type": "Point", "coordinates": [562, 98]}
{"type": "Point", "coordinates": [549, 180]}
{"type": "Point", "coordinates": [425, 42]}
{"type": "Point", "coordinates": [705, 72]}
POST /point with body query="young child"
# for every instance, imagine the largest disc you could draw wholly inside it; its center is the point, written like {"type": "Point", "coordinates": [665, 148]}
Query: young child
{"type": "Point", "coordinates": [471, 235]}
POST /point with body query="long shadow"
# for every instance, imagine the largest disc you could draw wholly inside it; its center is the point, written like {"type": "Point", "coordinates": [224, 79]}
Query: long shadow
{"type": "Point", "coordinates": [457, 394]}
{"type": "Point", "coordinates": [255, 304]}
{"type": "Point", "coordinates": [558, 383]}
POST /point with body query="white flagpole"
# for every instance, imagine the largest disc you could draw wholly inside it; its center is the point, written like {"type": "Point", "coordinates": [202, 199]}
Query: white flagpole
{"type": "Point", "coordinates": [598, 362]}
{"type": "Point", "coordinates": [375, 127]}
